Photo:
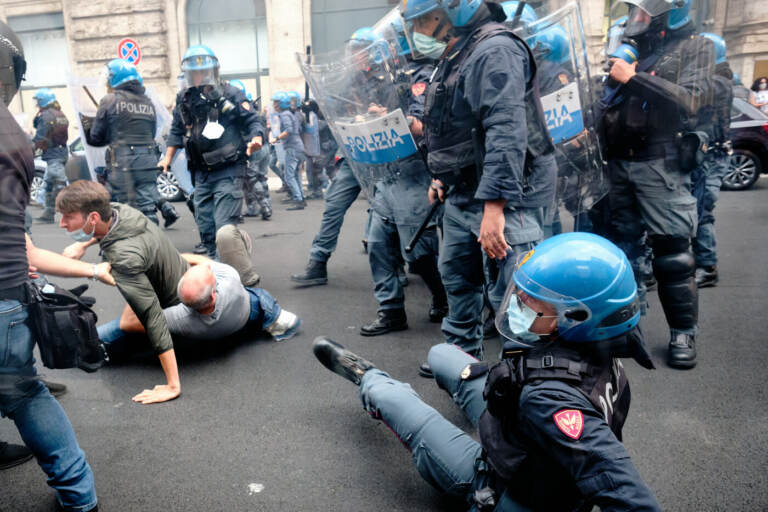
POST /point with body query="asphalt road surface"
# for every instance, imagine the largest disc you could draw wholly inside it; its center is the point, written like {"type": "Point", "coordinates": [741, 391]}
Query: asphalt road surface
{"type": "Point", "coordinates": [262, 426]}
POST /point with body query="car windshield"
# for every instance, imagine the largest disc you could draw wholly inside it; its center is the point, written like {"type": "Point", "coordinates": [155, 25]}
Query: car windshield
{"type": "Point", "coordinates": [742, 107]}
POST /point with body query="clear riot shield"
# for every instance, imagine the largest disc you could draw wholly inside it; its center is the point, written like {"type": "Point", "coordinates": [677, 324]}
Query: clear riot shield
{"type": "Point", "coordinates": [86, 92]}
{"type": "Point", "coordinates": [363, 92]}
{"type": "Point", "coordinates": [567, 97]}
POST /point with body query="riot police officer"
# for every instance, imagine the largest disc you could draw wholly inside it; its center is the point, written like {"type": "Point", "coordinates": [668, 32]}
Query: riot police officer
{"type": "Point", "coordinates": [257, 200]}
{"type": "Point", "coordinates": [551, 413]}
{"type": "Point", "coordinates": [486, 138]}
{"type": "Point", "coordinates": [51, 127]}
{"type": "Point", "coordinates": [126, 122]}
{"type": "Point", "coordinates": [290, 138]}
{"type": "Point", "coordinates": [646, 120]}
{"type": "Point", "coordinates": [216, 124]}
{"type": "Point", "coordinates": [715, 121]}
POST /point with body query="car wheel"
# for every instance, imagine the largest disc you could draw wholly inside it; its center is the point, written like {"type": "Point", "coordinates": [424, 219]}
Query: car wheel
{"type": "Point", "coordinates": [743, 170]}
{"type": "Point", "coordinates": [35, 187]}
{"type": "Point", "coordinates": [169, 188]}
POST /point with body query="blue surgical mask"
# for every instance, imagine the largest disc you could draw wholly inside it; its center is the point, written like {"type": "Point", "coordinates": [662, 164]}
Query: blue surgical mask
{"type": "Point", "coordinates": [80, 235]}
{"type": "Point", "coordinates": [520, 319]}
{"type": "Point", "coordinates": [428, 45]}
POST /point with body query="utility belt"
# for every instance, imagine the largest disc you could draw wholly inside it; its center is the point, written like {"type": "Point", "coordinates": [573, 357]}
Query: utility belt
{"type": "Point", "coordinates": [117, 151]}
{"type": "Point", "coordinates": [215, 159]}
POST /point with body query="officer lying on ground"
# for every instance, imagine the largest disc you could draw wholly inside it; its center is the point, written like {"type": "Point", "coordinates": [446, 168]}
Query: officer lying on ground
{"type": "Point", "coordinates": [145, 265]}
{"type": "Point", "coordinates": [550, 413]}
{"type": "Point", "coordinates": [214, 305]}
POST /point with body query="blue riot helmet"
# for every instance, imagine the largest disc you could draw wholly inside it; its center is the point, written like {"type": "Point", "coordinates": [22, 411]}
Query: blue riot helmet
{"type": "Point", "coordinates": [390, 28]}
{"type": "Point", "coordinates": [551, 44]}
{"type": "Point", "coordinates": [615, 35]}
{"type": "Point", "coordinates": [626, 52]}
{"type": "Point", "coordinates": [44, 97]}
{"type": "Point", "coordinates": [680, 16]}
{"type": "Point", "coordinates": [366, 39]}
{"type": "Point", "coordinates": [719, 46]}
{"type": "Point", "coordinates": [200, 66]}
{"type": "Point", "coordinates": [581, 281]}
{"type": "Point", "coordinates": [737, 79]}
{"type": "Point", "coordinates": [459, 12]}
{"type": "Point", "coordinates": [240, 85]}
{"type": "Point", "coordinates": [282, 100]}
{"type": "Point", "coordinates": [295, 99]}
{"type": "Point", "coordinates": [648, 17]}
{"type": "Point", "coordinates": [119, 72]}
{"type": "Point", "coordinates": [510, 8]}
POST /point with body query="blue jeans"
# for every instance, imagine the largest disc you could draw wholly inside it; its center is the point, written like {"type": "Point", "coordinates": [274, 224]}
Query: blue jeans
{"type": "Point", "coordinates": [293, 159]}
{"type": "Point", "coordinates": [55, 180]}
{"type": "Point", "coordinates": [121, 344]}
{"type": "Point", "coordinates": [340, 195]}
{"type": "Point", "coordinates": [445, 456]}
{"type": "Point", "coordinates": [467, 272]}
{"type": "Point", "coordinates": [707, 180]}
{"type": "Point", "coordinates": [41, 421]}
{"type": "Point", "coordinates": [218, 202]}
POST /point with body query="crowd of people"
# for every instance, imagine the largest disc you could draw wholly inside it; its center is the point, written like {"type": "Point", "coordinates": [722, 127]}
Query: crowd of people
{"type": "Point", "coordinates": [471, 206]}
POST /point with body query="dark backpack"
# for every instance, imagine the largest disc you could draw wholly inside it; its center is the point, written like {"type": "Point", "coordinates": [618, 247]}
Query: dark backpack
{"type": "Point", "coordinates": [64, 326]}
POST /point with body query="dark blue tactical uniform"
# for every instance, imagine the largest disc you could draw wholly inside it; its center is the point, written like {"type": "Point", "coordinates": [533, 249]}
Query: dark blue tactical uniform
{"type": "Point", "coordinates": [486, 86]}
{"type": "Point", "coordinates": [563, 451]}
{"type": "Point", "coordinates": [217, 165]}
{"type": "Point", "coordinates": [294, 153]}
{"type": "Point", "coordinates": [257, 200]}
{"type": "Point", "coordinates": [51, 127]}
{"type": "Point", "coordinates": [399, 207]}
{"type": "Point", "coordinates": [126, 122]}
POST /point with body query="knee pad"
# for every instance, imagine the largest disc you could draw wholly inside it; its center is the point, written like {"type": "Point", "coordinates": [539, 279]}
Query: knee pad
{"type": "Point", "coordinates": [674, 267]}
{"type": "Point", "coordinates": [663, 245]}
{"type": "Point", "coordinates": [677, 289]}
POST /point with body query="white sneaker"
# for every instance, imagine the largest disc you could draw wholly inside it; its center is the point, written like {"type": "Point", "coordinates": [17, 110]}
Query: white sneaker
{"type": "Point", "coordinates": [285, 327]}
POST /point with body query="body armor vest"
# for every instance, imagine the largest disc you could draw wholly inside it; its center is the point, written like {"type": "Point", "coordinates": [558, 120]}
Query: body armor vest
{"type": "Point", "coordinates": [449, 138]}
{"type": "Point", "coordinates": [197, 109]}
{"type": "Point", "coordinates": [58, 128]}
{"type": "Point", "coordinates": [604, 384]}
{"type": "Point", "coordinates": [136, 119]}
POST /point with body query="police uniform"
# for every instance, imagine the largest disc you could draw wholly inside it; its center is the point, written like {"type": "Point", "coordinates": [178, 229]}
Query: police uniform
{"type": "Point", "coordinates": [51, 127]}
{"type": "Point", "coordinates": [708, 177]}
{"type": "Point", "coordinates": [650, 191]}
{"type": "Point", "coordinates": [485, 87]}
{"type": "Point", "coordinates": [398, 209]}
{"type": "Point", "coordinates": [294, 153]}
{"type": "Point", "coordinates": [257, 200]}
{"type": "Point", "coordinates": [558, 449]}
{"type": "Point", "coordinates": [126, 122]}
{"type": "Point", "coordinates": [217, 165]}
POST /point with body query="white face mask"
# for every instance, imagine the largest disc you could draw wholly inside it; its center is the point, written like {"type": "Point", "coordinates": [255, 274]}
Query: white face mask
{"type": "Point", "coordinates": [212, 130]}
{"type": "Point", "coordinates": [763, 86]}
{"type": "Point", "coordinates": [520, 318]}
{"type": "Point", "coordinates": [428, 45]}
{"type": "Point", "coordinates": [80, 235]}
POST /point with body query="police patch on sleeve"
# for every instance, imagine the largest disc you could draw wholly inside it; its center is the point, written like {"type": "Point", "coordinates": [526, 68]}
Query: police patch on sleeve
{"type": "Point", "coordinates": [246, 105]}
{"type": "Point", "coordinates": [570, 422]}
{"type": "Point", "coordinates": [418, 88]}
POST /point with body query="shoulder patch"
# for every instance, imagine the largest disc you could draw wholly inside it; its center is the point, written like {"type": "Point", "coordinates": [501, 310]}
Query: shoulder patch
{"type": "Point", "coordinates": [570, 422]}
{"type": "Point", "coordinates": [246, 105]}
{"type": "Point", "coordinates": [563, 78]}
{"type": "Point", "coordinates": [418, 88]}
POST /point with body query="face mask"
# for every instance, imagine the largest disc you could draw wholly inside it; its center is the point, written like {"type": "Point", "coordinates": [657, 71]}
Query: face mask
{"type": "Point", "coordinates": [520, 318]}
{"type": "Point", "coordinates": [212, 130]}
{"type": "Point", "coordinates": [428, 46]}
{"type": "Point", "coordinates": [763, 86]}
{"type": "Point", "coordinates": [80, 235]}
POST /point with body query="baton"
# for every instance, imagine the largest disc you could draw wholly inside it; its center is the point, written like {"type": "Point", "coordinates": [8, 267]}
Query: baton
{"type": "Point", "coordinates": [85, 88]}
{"type": "Point", "coordinates": [306, 84]}
{"type": "Point", "coordinates": [424, 224]}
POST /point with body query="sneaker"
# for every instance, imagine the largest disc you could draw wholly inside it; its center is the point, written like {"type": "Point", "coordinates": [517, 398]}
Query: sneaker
{"type": "Point", "coordinates": [340, 360]}
{"type": "Point", "coordinates": [706, 277]}
{"type": "Point", "coordinates": [285, 327]}
{"type": "Point", "coordinates": [297, 205]}
{"type": "Point", "coordinates": [200, 249]}
{"type": "Point", "coordinates": [54, 388]}
{"type": "Point", "coordinates": [426, 371]}
{"type": "Point", "coordinates": [13, 454]}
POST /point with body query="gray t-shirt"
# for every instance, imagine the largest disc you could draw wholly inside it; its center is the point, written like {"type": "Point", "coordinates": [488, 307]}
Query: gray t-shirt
{"type": "Point", "coordinates": [233, 307]}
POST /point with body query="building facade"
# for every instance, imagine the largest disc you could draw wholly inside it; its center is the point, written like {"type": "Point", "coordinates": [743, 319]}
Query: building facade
{"type": "Point", "coordinates": [257, 40]}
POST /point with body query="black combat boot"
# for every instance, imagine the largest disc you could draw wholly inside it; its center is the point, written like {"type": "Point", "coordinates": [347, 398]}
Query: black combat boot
{"type": "Point", "coordinates": [54, 388]}
{"type": "Point", "coordinates": [426, 268]}
{"type": "Point", "coordinates": [682, 351]}
{"type": "Point", "coordinates": [169, 214]}
{"type": "Point", "coordinates": [315, 274]}
{"type": "Point", "coordinates": [387, 320]}
{"type": "Point", "coordinates": [706, 277]}
{"type": "Point", "coordinates": [340, 360]}
{"type": "Point", "coordinates": [13, 454]}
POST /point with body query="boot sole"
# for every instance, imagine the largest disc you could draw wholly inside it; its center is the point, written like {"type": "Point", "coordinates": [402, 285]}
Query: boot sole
{"type": "Point", "coordinates": [17, 462]}
{"type": "Point", "coordinates": [378, 333]}
{"type": "Point", "coordinates": [310, 282]}
{"type": "Point", "coordinates": [682, 365]}
{"type": "Point", "coordinates": [707, 284]}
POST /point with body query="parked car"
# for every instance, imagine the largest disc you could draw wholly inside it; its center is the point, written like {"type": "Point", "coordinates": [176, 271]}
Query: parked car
{"type": "Point", "coordinates": [749, 135]}
{"type": "Point", "coordinates": [77, 169]}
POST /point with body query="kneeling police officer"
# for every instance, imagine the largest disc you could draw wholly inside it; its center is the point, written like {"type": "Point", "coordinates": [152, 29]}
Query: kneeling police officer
{"type": "Point", "coordinates": [551, 413]}
{"type": "Point", "coordinates": [126, 121]}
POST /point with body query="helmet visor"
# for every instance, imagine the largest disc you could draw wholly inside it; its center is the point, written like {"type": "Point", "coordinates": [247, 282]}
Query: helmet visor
{"type": "Point", "coordinates": [524, 295]}
{"type": "Point", "coordinates": [638, 21]}
{"type": "Point", "coordinates": [201, 77]}
{"type": "Point", "coordinates": [652, 7]}
{"type": "Point", "coordinates": [428, 34]}
{"type": "Point", "coordinates": [615, 34]}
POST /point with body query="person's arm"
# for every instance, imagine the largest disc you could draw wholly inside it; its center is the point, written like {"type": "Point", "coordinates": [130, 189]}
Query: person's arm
{"type": "Point", "coordinates": [195, 259]}
{"type": "Point", "coordinates": [42, 125]}
{"type": "Point", "coordinates": [98, 135]}
{"type": "Point", "coordinates": [596, 460]}
{"type": "Point", "coordinates": [49, 262]}
{"type": "Point", "coordinates": [77, 250]}
{"type": "Point", "coordinates": [494, 85]}
{"type": "Point", "coordinates": [140, 296]}
{"type": "Point", "coordinates": [175, 136]}
{"type": "Point", "coordinates": [252, 129]}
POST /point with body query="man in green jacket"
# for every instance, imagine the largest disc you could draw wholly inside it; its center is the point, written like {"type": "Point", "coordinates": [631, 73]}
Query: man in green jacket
{"type": "Point", "coordinates": [145, 265]}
